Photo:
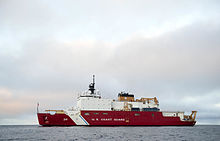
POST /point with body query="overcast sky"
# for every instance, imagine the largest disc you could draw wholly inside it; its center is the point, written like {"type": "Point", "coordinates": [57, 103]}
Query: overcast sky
{"type": "Point", "coordinates": [49, 50]}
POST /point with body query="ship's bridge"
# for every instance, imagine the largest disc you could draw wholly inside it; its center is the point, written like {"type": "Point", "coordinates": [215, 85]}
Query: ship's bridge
{"type": "Point", "coordinates": [88, 93]}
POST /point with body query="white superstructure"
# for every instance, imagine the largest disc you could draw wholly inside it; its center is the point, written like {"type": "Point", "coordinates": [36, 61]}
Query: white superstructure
{"type": "Point", "coordinates": [91, 100]}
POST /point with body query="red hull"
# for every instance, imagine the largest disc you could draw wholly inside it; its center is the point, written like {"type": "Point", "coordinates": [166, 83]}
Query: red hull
{"type": "Point", "coordinates": [46, 119]}
{"type": "Point", "coordinates": [114, 118]}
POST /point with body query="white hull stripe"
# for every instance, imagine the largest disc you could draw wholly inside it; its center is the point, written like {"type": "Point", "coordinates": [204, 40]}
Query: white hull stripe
{"type": "Point", "coordinates": [76, 117]}
{"type": "Point", "coordinates": [84, 120]}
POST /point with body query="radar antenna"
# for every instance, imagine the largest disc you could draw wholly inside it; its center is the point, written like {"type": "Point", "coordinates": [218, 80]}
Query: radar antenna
{"type": "Point", "coordinates": [92, 85]}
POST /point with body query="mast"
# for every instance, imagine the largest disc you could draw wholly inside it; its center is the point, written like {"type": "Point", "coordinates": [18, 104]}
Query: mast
{"type": "Point", "coordinates": [92, 85]}
{"type": "Point", "coordinates": [93, 79]}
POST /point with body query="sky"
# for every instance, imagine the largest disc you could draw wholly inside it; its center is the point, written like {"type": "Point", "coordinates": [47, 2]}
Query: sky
{"type": "Point", "coordinates": [50, 49]}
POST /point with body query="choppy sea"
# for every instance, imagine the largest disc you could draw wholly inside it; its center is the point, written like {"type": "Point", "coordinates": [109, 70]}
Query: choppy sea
{"type": "Point", "coordinates": [163, 133]}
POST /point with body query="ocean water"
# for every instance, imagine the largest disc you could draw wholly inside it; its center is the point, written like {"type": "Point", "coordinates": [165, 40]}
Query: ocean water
{"type": "Point", "coordinates": [163, 133]}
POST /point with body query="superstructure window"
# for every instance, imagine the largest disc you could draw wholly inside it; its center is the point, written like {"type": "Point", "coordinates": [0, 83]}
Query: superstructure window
{"type": "Point", "coordinates": [136, 114]}
{"type": "Point", "coordinates": [105, 113]}
{"type": "Point", "coordinates": [86, 114]}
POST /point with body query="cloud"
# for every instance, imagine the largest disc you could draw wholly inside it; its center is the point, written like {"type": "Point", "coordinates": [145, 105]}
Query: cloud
{"type": "Point", "coordinates": [172, 65]}
{"type": "Point", "coordinates": [24, 103]}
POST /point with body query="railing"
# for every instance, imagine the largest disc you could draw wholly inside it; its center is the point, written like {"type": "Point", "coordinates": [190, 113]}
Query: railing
{"type": "Point", "coordinates": [56, 111]}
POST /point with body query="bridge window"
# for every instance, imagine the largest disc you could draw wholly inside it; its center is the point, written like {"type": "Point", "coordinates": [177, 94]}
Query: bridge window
{"type": "Point", "coordinates": [136, 114]}
{"type": "Point", "coordinates": [95, 113]}
{"type": "Point", "coordinates": [86, 114]}
{"type": "Point", "coordinates": [105, 113]}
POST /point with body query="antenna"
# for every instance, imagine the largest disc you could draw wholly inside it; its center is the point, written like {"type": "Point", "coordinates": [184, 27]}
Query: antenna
{"type": "Point", "coordinates": [37, 107]}
{"type": "Point", "coordinates": [93, 79]}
